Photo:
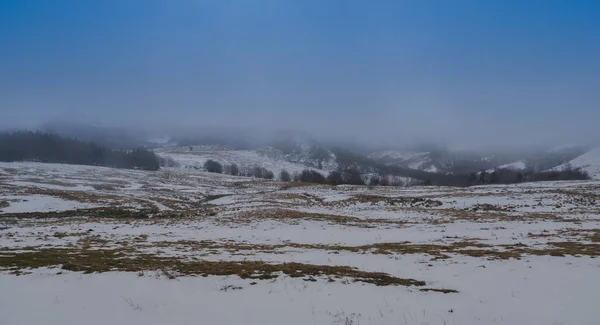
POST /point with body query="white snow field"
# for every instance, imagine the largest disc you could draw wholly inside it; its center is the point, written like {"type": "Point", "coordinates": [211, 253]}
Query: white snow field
{"type": "Point", "coordinates": [94, 245]}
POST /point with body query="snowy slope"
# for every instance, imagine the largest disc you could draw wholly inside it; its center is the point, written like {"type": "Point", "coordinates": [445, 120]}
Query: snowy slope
{"type": "Point", "coordinates": [588, 162]}
{"type": "Point", "coordinates": [413, 160]}
{"type": "Point", "coordinates": [398, 155]}
{"type": "Point", "coordinates": [269, 159]}
{"type": "Point", "coordinates": [517, 165]}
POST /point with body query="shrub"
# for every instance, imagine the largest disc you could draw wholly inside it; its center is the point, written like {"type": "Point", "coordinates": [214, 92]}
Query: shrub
{"type": "Point", "coordinates": [168, 162]}
{"type": "Point", "coordinates": [234, 170]}
{"type": "Point", "coordinates": [213, 166]}
{"type": "Point", "coordinates": [284, 176]}
{"type": "Point", "coordinates": [353, 177]}
{"type": "Point", "coordinates": [335, 178]}
{"type": "Point", "coordinates": [231, 170]}
{"type": "Point", "coordinates": [311, 176]}
{"type": "Point", "coordinates": [260, 172]}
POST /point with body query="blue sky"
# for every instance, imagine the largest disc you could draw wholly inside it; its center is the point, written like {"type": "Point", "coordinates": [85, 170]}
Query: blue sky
{"type": "Point", "coordinates": [457, 71]}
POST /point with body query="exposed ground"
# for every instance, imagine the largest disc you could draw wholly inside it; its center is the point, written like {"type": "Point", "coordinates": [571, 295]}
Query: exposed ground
{"type": "Point", "coordinates": [92, 245]}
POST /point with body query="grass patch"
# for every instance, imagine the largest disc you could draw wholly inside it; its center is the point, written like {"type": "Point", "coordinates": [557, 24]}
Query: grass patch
{"type": "Point", "coordinates": [94, 212]}
{"type": "Point", "coordinates": [438, 290]}
{"type": "Point", "coordinates": [498, 214]}
{"type": "Point", "coordinates": [392, 201]}
{"type": "Point", "coordinates": [469, 248]}
{"type": "Point", "coordinates": [107, 187]}
{"type": "Point", "coordinates": [570, 248]}
{"type": "Point", "coordinates": [209, 198]}
{"type": "Point", "coordinates": [91, 261]}
{"type": "Point", "coordinates": [294, 215]}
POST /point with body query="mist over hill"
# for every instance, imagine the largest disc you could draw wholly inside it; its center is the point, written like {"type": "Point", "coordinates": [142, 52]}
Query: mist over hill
{"type": "Point", "coordinates": [296, 150]}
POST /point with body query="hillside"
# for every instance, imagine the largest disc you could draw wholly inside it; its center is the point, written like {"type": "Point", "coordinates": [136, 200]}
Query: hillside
{"type": "Point", "coordinates": [517, 165]}
{"type": "Point", "coordinates": [442, 160]}
{"type": "Point", "coordinates": [588, 162]}
{"type": "Point", "coordinates": [269, 158]}
{"type": "Point", "coordinates": [413, 160]}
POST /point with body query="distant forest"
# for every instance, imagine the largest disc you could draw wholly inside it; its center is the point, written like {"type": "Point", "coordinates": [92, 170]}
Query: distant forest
{"type": "Point", "coordinates": [51, 148]}
{"type": "Point", "coordinates": [498, 176]}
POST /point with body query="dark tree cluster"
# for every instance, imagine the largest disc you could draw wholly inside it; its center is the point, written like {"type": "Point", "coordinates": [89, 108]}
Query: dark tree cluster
{"type": "Point", "coordinates": [168, 162]}
{"type": "Point", "coordinates": [508, 176]}
{"type": "Point", "coordinates": [260, 172]}
{"type": "Point", "coordinates": [285, 176]}
{"type": "Point", "coordinates": [334, 178]}
{"type": "Point", "coordinates": [231, 170]}
{"type": "Point", "coordinates": [212, 166]}
{"type": "Point", "coordinates": [310, 176]}
{"type": "Point", "coordinates": [51, 148]}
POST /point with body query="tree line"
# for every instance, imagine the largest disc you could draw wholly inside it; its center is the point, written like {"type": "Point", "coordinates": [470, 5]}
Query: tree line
{"type": "Point", "coordinates": [359, 170]}
{"type": "Point", "coordinates": [52, 148]}
{"type": "Point", "coordinates": [499, 176]}
{"type": "Point", "coordinates": [213, 166]}
{"type": "Point", "coordinates": [348, 176]}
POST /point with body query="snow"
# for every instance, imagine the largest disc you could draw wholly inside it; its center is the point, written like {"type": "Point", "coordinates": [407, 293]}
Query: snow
{"type": "Point", "coordinates": [399, 155]}
{"type": "Point", "coordinates": [518, 165]}
{"type": "Point", "coordinates": [588, 162]}
{"type": "Point", "coordinates": [242, 158]}
{"type": "Point", "coordinates": [40, 203]}
{"type": "Point", "coordinates": [431, 169]}
{"type": "Point", "coordinates": [413, 160]}
{"type": "Point", "coordinates": [505, 293]}
{"type": "Point", "coordinates": [228, 210]}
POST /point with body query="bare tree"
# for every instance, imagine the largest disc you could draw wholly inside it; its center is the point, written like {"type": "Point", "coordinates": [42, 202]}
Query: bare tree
{"type": "Point", "coordinates": [213, 167]}
{"type": "Point", "coordinates": [284, 176]}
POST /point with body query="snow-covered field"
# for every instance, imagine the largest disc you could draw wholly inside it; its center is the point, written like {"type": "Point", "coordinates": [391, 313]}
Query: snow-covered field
{"type": "Point", "coordinates": [93, 245]}
{"type": "Point", "coordinates": [270, 159]}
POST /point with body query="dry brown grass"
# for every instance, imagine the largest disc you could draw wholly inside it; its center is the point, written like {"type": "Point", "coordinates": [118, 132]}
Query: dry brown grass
{"type": "Point", "coordinates": [294, 215]}
{"type": "Point", "coordinates": [499, 215]}
{"type": "Point", "coordinates": [389, 201]}
{"type": "Point", "coordinates": [107, 212]}
{"type": "Point", "coordinates": [62, 234]}
{"type": "Point", "coordinates": [92, 241]}
{"type": "Point", "coordinates": [98, 260]}
{"type": "Point", "coordinates": [466, 247]}
{"type": "Point", "coordinates": [490, 207]}
{"type": "Point", "coordinates": [438, 290]}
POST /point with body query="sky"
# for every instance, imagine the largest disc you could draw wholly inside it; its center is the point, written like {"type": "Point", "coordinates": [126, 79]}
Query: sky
{"type": "Point", "coordinates": [457, 72]}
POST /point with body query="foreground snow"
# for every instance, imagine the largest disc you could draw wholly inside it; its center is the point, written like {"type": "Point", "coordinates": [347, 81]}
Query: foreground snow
{"type": "Point", "coordinates": [518, 254]}
{"type": "Point", "coordinates": [502, 293]}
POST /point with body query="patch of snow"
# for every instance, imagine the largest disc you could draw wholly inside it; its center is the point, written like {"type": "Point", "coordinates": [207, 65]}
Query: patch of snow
{"type": "Point", "coordinates": [398, 155]}
{"type": "Point", "coordinates": [589, 162]}
{"type": "Point", "coordinates": [510, 292]}
{"type": "Point", "coordinates": [40, 203]}
{"type": "Point", "coordinates": [518, 165]}
{"type": "Point", "coordinates": [431, 169]}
